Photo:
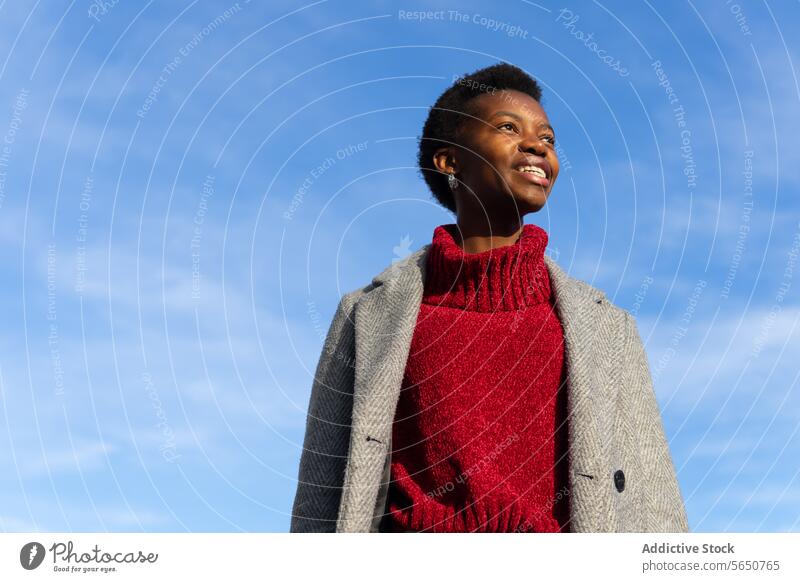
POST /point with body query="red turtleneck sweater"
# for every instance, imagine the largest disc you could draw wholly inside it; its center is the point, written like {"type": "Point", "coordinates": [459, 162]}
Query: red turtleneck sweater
{"type": "Point", "coordinates": [479, 440]}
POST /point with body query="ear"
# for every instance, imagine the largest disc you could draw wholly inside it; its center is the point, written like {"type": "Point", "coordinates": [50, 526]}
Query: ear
{"type": "Point", "coordinates": [444, 160]}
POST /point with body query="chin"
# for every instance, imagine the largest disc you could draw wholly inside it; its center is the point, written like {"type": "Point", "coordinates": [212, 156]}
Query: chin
{"type": "Point", "coordinates": [531, 202]}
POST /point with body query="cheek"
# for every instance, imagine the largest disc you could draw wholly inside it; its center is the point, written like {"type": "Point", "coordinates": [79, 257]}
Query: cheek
{"type": "Point", "coordinates": [492, 165]}
{"type": "Point", "coordinates": [500, 157]}
{"type": "Point", "coordinates": [555, 165]}
{"type": "Point", "coordinates": [489, 158]}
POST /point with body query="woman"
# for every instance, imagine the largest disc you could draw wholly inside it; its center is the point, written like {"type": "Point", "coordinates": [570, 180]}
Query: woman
{"type": "Point", "coordinates": [475, 386]}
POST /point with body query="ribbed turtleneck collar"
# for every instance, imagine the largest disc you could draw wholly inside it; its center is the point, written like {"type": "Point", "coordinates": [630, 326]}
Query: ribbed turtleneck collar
{"type": "Point", "coordinates": [502, 279]}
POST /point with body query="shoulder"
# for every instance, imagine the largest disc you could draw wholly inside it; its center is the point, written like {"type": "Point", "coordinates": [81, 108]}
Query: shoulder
{"type": "Point", "coordinates": [589, 294]}
{"type": "Point", "coordinates": [610, 317]}
{"type": "Point", "coordinates": [602, 299]}
{"type": "Point", "coordinates": [411, 265]}
{"type": "Point", "coordinates": [616, 325]}
{"type": "Point", "coordinates": [619, 322]}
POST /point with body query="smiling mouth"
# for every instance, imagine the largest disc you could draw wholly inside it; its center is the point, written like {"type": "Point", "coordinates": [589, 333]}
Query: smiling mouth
{"type": "Point", "coordinates": [534, 174]}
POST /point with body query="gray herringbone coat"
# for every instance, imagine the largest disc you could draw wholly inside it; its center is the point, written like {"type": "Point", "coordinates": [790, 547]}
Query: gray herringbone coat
{"type": "Point", "coordinates": [614, 420]}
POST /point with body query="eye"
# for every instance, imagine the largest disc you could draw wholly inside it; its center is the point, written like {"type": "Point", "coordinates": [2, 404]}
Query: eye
{"type": "Point", "coordinates": [551, 139]}
{"type": "Point", "coordinates": [507, 124]}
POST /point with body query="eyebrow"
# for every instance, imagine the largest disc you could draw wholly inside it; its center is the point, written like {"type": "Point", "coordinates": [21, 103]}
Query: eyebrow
{"type": "Point", "coordinates": [516, 116]}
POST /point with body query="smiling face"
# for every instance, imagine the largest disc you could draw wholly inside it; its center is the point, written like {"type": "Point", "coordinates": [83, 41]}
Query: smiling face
{"type": "Point", "coordinates": [507, 162]}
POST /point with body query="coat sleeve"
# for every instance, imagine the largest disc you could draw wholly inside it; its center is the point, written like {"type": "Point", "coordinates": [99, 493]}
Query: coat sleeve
{"type": "Point", "coordinates": [663, 510]}
{"type": "Point", "coordinates": [327, 435]}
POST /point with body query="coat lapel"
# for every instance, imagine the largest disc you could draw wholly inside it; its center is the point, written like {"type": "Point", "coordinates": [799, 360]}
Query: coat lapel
{"type": "Point", "coordinates": [578, 306]}
{"type": "Point", "coordinates": [385, 318]}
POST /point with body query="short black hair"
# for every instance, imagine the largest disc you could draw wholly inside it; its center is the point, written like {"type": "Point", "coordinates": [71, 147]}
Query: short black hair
{"type": "Point", "coordinates": [448, 113]}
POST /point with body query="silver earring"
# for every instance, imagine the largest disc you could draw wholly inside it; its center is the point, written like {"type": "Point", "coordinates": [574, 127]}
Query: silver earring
{"type": "Point", "coordinates": [451, 181]}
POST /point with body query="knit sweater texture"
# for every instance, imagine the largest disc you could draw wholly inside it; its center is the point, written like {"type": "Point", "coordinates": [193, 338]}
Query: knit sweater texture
{"type": "Point", "coordinates": [479, 441]}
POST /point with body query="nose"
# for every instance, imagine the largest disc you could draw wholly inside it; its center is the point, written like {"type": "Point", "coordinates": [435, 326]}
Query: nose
{"type": "Point", "coordinates": [533, 145]}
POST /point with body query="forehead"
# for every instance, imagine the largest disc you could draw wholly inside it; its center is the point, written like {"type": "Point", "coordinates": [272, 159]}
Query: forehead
{"type": "Point", "coordinates": [486, 104]}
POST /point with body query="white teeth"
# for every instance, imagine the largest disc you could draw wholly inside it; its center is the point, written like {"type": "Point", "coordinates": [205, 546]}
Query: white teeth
{"type": "Point", "coordinates": [533, 169]}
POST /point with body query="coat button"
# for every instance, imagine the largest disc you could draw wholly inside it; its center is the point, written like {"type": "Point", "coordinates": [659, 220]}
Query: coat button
{"type": "Point", "coordinates": [619, 480]}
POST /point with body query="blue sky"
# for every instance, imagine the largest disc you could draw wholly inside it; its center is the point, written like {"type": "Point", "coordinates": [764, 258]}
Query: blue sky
{"type": "Point", "coordinates": [187, 189]}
